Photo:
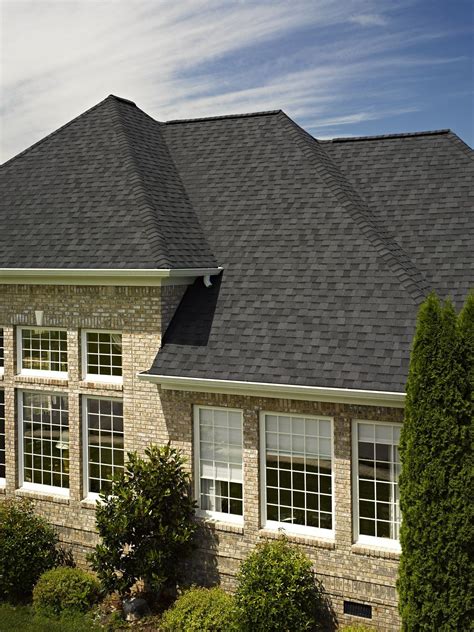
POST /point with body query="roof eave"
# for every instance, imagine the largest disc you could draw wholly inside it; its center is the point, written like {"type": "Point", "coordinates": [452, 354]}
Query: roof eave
{"type": "Point", "coordinates": [103, 276]}
{"type": "Point", "coordinates": [287, 391]}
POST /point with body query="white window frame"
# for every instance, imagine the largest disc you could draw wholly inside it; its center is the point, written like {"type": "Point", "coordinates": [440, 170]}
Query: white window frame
{"type": "Point", "coordinates": [2, 478]}
{"type": "Point", "coordinates": [93, 377]}
{"type": "Point", "coordinates": [2, 366]}
{"type": "Point", "coordinates": [87, 495]}
{"type": "Point", "coordinates": [37, 487]}
{"type": "Point", "coordinates": [366, 540]}
{"type": "Point", "coordinates": [61, 375]}
{"type": "Point", "coordinates": [297, 529]}
{"type": "Point", "coordinates": [214, 515]}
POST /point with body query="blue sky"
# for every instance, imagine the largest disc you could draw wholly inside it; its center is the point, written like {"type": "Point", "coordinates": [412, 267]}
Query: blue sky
{"type": "Point", "coordinates": [338, 67]}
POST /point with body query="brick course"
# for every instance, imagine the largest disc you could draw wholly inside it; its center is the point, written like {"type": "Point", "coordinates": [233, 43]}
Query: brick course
{"type": "Point", "coordinates": [348, 571]}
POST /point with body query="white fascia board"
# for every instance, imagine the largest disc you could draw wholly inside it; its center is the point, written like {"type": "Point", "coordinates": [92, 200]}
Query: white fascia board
{"type": "Point", "coordinates": [103, 276]}
{"type": "Point", "coordinates": [285, 391]}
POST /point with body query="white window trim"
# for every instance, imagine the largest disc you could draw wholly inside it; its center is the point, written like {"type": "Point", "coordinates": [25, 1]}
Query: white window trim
{"type": "Point", "coordinates": [3, 481]}
{"type": "Point", "coordinates": [366, 540]}
{"type": "Point", "coordinates": [58, 375]}
{"type": "Point", "coordinates": [297, 529]}
{"type": "Point", "coordinates": [86, 494]}
{"type": "Point", "coordinates": [93, 377]}
{"type": "Point", "coordinates": [203, 513]}
{"type": "Point", "coordinates": [2, 367]}
{"type": "Point", "coordinates": [35, 487]}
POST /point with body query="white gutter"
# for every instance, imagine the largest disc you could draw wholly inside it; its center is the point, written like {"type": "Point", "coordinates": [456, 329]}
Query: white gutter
{"type": "Point", "coordinates": [286, 391]}
{"type": "Point", "coordinates": [103, 276]}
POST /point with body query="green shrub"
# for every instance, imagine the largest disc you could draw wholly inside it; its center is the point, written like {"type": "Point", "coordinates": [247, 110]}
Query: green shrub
{"type": "Point", "coordinates": [146, 523]}
{"type": "Point", "coordinates": [27, 549]}
{"type": "Point", "coordinates": [201, 610]}
{"type": "Point", "coordinates": [277, 590]}
{"type": "Point", "coordinates": [65, 589]}
{"type": "Point", "coordinates": [436, 579]}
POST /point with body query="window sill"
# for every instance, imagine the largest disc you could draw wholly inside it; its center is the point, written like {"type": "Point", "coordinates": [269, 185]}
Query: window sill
{"type": "Point", "coordinates": [41, 379]}
{"type": "Point", "coordinates": [95, 385]}
{"type": "Point", "coordinates": [298, 538]}
{"type": "Point", "coordinates": [89, 503]}
{"type": "Point", "coordinates": [36, 495]}
{"type": "Point", "coordinates": [219, 525]}
{"type": "Point", "coordinates": [371, 550]}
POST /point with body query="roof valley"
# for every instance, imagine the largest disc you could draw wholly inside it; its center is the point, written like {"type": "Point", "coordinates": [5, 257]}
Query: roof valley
{"type": "Point", "coordinates": [388, 249]}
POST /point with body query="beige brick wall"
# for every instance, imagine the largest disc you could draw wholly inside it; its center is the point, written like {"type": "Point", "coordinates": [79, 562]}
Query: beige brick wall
{"type": "Point", "coordinates": [347, 571]}
{"type": "Point", "coordinates": [140, 314]}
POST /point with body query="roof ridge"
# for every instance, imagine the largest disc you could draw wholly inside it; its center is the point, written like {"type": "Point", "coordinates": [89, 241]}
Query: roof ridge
{"type": "Point", "coordinates": [348, 139]}
{"type": "Point", "coordinates": [389, 249]}
{"type": "Point", "coordinates": [59, 129]}
{"type": "Point", "coordinates": [147, 207]}
{"type": "Point", "coordinates": [222, 116]}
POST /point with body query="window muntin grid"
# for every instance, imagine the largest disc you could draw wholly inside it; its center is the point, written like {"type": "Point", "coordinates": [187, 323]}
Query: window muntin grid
{"type": "Point", "coordinates": [2, 351]}
{"type": "Point", "coordinates": [43, 350]}
{"type": "Point", "coordinates": [378, 469]}
{"type": "Point", "coordinates": [2, 435]}
{"type": "Point", "coordinates": [219, 476]}
{"type": "Point", "coordinates": [298, 472]}
{"type": "Point", "coordinates": [103, 354]}
{"type": "Point", "coordinates": [104, 440]}
{"type": "Point", "coordinates": [45, 432]}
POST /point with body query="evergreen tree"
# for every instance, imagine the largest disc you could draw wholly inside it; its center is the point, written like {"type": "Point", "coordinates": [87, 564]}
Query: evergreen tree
{"type": "Point", "coordinates": [435, 576]}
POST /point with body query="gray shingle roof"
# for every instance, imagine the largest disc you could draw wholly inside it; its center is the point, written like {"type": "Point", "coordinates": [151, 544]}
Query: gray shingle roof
{"type": "Point", "coordinates": [328, 248]}
{"type": "Point", "coordinates": [100, 192]}
{"type": "Point", "coordinates": [317, 289]}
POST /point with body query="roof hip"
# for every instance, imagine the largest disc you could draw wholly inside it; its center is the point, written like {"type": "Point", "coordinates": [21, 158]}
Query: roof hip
{"type": "Point", "coordinates": [389, 250]}
{"type": "Point", "coordinates": [158, 244]}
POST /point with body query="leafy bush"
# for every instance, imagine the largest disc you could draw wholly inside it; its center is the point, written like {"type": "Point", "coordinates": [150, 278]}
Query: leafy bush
{"type": "Point", "coordinates": [436, 582]}
{"type": "Point", "coordinates": [65, 589]}
{"type": "Point", "coordinates": [27, 549]}
{"type": "Point", "coordinates": [277, 590]}
{"type": "Point", "coordinates": [201, 610]}
{"type": "Point", "coordinates": [145, 523]}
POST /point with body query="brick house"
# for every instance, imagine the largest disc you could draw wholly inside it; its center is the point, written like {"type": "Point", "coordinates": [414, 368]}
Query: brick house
{"type": "Point", "coordinates": [237, 287]}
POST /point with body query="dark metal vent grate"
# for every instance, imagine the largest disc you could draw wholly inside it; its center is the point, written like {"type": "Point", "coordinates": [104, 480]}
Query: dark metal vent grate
{"type": "Point", "coordinates": [358, 609]}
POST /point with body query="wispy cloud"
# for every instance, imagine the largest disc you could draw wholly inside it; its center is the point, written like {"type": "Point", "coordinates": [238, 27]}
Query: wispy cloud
{"type": "Point", "coordinates": [204, 57]}
{"type": "Point", "coordinates": [369, 19]}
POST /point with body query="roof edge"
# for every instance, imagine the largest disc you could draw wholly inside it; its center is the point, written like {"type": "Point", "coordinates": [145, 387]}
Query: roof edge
{"type": "Point", "coordinates": [275, 390]}
{"type": "Point", "coordinates": [102, 276]}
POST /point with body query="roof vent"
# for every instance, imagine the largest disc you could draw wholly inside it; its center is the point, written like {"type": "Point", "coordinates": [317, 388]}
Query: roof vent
{"type": "Point", "coordinates": [358, 609]}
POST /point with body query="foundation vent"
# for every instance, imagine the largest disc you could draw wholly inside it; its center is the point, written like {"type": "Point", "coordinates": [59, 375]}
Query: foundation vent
{"type": "Point", "coordinates": [358, 609]}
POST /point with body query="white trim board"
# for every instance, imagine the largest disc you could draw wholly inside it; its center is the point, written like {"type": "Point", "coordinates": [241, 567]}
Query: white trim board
{"type": "Point", "coordinates": [286, 391]}
{"type": "Point", "coordinates": [104, 276]}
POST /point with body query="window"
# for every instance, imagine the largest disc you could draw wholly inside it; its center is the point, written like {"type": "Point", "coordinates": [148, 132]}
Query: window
{"type": "Point", "coordinates": [103, 442]}
{"type": "Point", "coordinates": [218, 446]}
{"type": "Point", "coordinates": [102, 356]}
{"type": "Point", "coordinates": [2, 351]}
{"type": "Point", "coordinates": [2, 437]}
{"type": "Point", "coordinates": [42, 351]}
{"type": "Point", "coordinates": [376, 471]}
{"type": "Point", "coordinates": [297, 473]}
{"type": "Point", "coordinates": [44, 436]}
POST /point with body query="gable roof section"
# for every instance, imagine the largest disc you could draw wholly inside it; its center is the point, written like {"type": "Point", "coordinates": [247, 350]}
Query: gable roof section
{"type": "Point", "coordinates": [314, 291]}
{"type": "Point", "coordinates": [421, 188]}
{"type": "Point", "coordinates": [100, 192]}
